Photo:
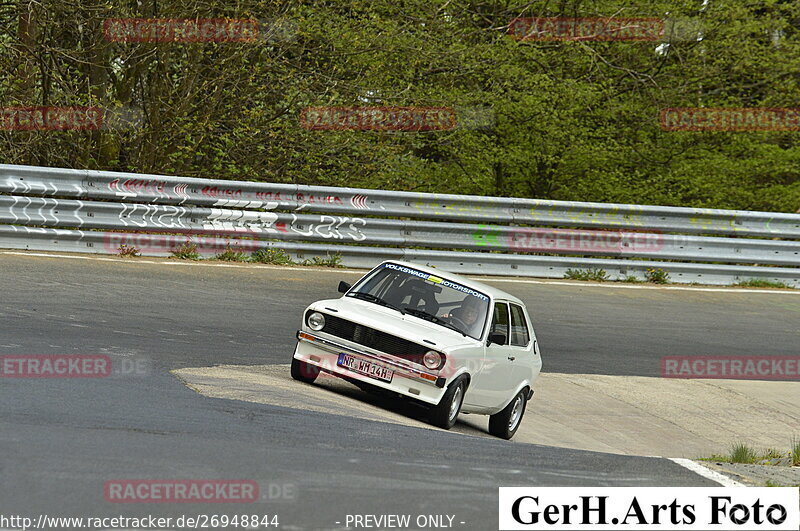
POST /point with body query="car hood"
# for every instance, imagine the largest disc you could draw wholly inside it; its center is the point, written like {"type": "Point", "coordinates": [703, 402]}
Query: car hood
{"type": "Point", "coordinates": [393, 322]}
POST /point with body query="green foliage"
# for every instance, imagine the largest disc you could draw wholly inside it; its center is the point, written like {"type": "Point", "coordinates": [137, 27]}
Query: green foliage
{"type": "Point", "coordinates": [186, 251]}
{"type": "Point", "coordinates": [128, 251]}
{"type": "Point", "coordinates": [231, 255]}
{"type": "Point", "coordinates": [759, 283]}
{"type": "Point", "coordinates": [656, 275]}
{"type": "Point", "coordinates": [331, 260]}
{"type": "Point", "coordinates": [596, 275]}
{"type": "Point", "coordinates": [271, 256]}
{"type": "Point", "coordinates": [571, 120]}
{"type": "Point", "coordinates": [741, 453]}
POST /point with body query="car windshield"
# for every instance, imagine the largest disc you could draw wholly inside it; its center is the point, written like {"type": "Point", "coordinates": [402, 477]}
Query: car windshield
{"type": "Point", "coordinates": [430, 297]}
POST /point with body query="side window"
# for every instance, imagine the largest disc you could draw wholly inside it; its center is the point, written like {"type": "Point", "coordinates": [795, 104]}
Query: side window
{"type": "Point", "coordinates": [500, 319]}
{"type": "Point", "coordinates": [519, 328]}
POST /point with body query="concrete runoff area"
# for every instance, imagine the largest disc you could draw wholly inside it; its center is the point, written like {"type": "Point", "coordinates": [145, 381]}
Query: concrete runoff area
{"type": "Point", "coordinates": [628, 415]}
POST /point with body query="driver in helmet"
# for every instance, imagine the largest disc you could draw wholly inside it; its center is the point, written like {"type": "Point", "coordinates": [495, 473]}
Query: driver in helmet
{"type": "Point", "coordinates": [466, 314]}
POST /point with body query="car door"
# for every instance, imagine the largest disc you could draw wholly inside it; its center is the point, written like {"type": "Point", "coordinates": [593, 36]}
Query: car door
{"type": "Point", "coordinates": [521, 338]}
{"type": "Point", "coordinates": [493, 385]}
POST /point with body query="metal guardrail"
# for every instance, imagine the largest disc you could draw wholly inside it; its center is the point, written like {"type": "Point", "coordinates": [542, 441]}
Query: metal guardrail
{"type": "Point", "coordinates": [45, 239]}
{"type": "Point", "coordinates": [36, 211]}
{"type": "Point", "coordinates": [356, 223]}
{"type": "Point", "coordinates": [161, 189]}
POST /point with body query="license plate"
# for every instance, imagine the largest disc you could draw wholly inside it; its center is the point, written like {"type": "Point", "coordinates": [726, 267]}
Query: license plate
{"type": "Point", "coordinates": [367, 368]}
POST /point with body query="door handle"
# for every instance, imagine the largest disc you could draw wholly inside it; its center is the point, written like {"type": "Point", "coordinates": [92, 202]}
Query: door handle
{"type": "Point", "coordinates": [512, 358]}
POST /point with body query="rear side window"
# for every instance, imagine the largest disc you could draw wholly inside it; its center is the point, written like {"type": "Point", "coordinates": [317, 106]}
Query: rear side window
{"type": "Point", "coordinates": [519, 327]}
{"type": "Point", "coordinates": [500, 319]}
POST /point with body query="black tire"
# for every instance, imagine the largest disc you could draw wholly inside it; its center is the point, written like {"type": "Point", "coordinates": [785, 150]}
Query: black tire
{"type": "Point", "coordinates": [303, 371]}
{"type": "Point", "coordinates": [505, 423]}
{"type": "Point", "coordinates": [444, 414]}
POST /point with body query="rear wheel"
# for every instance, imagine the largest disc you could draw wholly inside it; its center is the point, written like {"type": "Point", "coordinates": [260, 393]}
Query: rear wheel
{"type": "Point", "coordinates": [303, 371]}
{"type": "Point", "coordinates": [505, 423]}
{"type": "Point", "coordinates": [444, 414]}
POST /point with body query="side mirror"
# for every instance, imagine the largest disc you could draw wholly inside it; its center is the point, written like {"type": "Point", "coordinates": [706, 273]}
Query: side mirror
{"type": "Point", "coordinates": [496, 338]}
{"type": "Point", "coordinates": [344, 287]}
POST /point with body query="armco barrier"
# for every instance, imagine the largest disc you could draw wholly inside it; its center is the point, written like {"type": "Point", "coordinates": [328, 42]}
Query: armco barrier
{"type": "Point", "coordinates": [161, 189]}
{"type": "Point", "coordinates": [92, 211]}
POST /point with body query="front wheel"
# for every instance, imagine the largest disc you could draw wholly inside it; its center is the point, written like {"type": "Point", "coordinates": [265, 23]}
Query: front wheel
{"type": "Point", "coordinates": [444, 414]}
{"type": "Point", "coordinates": [505, 423]}
{"type": "Point", "coordinates": [303, 371]}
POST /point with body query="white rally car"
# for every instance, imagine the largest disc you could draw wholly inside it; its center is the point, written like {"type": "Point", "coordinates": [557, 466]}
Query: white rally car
{"type": "Point", "coordinates": [453, 344]}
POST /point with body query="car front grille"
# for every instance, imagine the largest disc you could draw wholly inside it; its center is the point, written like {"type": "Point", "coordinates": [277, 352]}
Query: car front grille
{"type": "Point", "coordinates": [374, 339]}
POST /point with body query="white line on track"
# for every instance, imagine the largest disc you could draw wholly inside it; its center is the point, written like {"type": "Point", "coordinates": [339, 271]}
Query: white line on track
{"type": "Point", "coordinates": [624, 286]}
{"type": "Point", "coordinates": [362, 271]}
{"type": "Point", "coordinates": [697, 468]}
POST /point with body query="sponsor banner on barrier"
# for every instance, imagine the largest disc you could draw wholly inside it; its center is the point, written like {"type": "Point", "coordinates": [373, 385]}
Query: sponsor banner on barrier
{"type": "Point", "coordinates": [586, 29]}
{"type": "Point", "coordinates": [732, 367]}
{"type": "Point", "coordinates": [734, 120]}
{"type": "Point", "coordinates": [197, 30]}
{"type": "Point", "coordinates": [649, 508]}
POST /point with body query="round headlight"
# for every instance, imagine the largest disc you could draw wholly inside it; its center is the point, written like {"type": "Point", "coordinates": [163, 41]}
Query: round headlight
{"type": "Point", "coordinates": [432, 359]}
{"type": "Point", "coordinates": [316, 321]}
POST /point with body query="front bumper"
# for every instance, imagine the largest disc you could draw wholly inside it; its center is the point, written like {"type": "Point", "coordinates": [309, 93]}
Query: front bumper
{"type": "Point", "coordinates": [407, 380]}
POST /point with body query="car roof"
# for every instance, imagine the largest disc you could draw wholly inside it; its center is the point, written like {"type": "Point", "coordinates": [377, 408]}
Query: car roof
{"type": "Point", "coordinates": [493, 292]}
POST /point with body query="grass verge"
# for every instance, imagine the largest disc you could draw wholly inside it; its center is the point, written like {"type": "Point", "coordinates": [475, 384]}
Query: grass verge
{"type": "Point", "coordinates": [186, 251]}
{"type": "Point", "coordinates": [271, 256]}
{"type": "Point", "coordinates": [231, 255]}
{"type": "Point", "coordinates": [128, 251]}
{"type": "Point", "coordinates": [759, 283]}
{"type": "Point", "coordinates": [331, 260]}
{"type": "Point", "coordinates": [742, 453]}
{"type": "Point", "coordinates": [596, 275]}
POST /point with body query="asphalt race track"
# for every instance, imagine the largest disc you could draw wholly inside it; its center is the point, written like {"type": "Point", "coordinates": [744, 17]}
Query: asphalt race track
{"type": "Point", "coordinates": [62, 439]}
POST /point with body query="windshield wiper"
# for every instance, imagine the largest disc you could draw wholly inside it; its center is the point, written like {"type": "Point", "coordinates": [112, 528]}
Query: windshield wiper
{"type": "Point", "coordinates": [374, 298]}
{"type": "Point", "coordinates": [432, 318]}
